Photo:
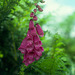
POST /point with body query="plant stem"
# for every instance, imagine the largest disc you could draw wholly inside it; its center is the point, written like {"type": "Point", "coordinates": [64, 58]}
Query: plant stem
{"type": "Point", "coordinates": [14, 46]}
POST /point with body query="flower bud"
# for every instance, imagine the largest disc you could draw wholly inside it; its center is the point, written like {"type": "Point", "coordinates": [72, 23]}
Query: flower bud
{"type": "Point", "coordinates": [32, 14]}
{"type": "Point", "coordinates": [37, 57]}
{"type": "Point", "coordinates": [35, 18]}
{"type": "Point", "coordinates": [40, 9]}
{"type": "Point", "coordinates": [35, 10]}
{"type": "Point", "coordinates": [31, 24]}
{"type": "Point", "coordinates": [38, 6]}
{"type": "Point", "coordinates": [39, 30]}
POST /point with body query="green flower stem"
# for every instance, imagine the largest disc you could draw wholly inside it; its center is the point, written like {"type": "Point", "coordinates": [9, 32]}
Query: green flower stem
{"type": "Point", "coordinates": [14, 46]}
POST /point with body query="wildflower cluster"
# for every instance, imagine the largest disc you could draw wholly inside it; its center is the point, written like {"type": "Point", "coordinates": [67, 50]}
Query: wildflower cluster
{"type": "Point", "coordinates": [31, 46]}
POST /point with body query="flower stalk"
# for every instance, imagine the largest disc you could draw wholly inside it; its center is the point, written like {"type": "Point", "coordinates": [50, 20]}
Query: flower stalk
{"type": "Point", "coordinates": [31, 46]}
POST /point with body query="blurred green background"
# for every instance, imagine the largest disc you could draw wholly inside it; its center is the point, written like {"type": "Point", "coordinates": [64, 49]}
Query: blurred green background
{"type": "Point", "coordinates": [58, 22]}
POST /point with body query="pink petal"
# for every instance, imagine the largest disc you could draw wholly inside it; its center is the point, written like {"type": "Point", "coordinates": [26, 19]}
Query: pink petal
{"type": "Point", "coordinates": [29, 38]}
{"type": "Point", "coordinates": [41, 48]}
{"type": "Point", "coordinates": [23, 51]}
{"type": "Point", "coordinates": [39, 30]}
{"type": "Point", "coordinates": [29, 41]}
{"type": "Point", "coordinates": [37, 44]}
{"type": "Point", "coordinates": [36, 38]}
{"type": "Point", "coordinates": [35, 10]}
{"type": "Point", "coordinates": [26, 64]}
{"type": "Point", "coordinates": [23, 45]}
{"type": "Point", "coordinates": [32, 14]}
{"type": "Point", "coordinates": [30, 48]}
{"type": "Point", "coordinates": [39, 53]}
{"type": "Point", "coordinates": [37, 58]}
{"type": "Point", "coordinates": [30, 55]}
{"type": "Point", "coordinates": [40, 43]}
{"type": "Point", "coordinates": [35, 18]}
{"type": "Point", "coordinates": [33, 31]}
{"type": "Point", "coordinates": [31, 61]}
{"type": "Point", "coordinates": [31, 24]}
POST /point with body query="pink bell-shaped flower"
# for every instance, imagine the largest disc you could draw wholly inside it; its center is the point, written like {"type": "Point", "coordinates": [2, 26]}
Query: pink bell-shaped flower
{"type": "Point", "coordinates": [37, 42]}
{"type": "Point", "coordinates": [32, 14]}
{"type": "Point", "coordinates": [37, 57]}
{"type": "Point", "coordinates": [30, 55]}
{"type": "Point", "coordinates": [26, 62]}
{"type": "Point", "coordinates": [29, 38]}
{"type": "Point", "coordinates": [23, 51]}
{"type": "Point", "coordinates": [35, 18]}
{"type": "Point", "coordinates": [39, 30]}
{"type": "Point", "coordinates": [22, 47]}
{"type": "Point", "coordinates": [30, 48]}
{"type": "Point", "coordinates": [31, 61]}
{"type": "Point", "coordinates": [39, 53]}
{"type": "Point", "coordinates": [36, 38]}
{"type": "Point", "coordinates": [33, 31]}
{"type": "Point", "coordinates": [31, 24]}
{"type": "Point", "coordinates": [37, 45]}
{"type": "Point", "coordinates": [41, 49]}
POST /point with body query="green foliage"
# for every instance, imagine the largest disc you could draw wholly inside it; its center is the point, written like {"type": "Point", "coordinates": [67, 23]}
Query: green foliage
{"type": "Point", "coordinates": [54, 61]}
{"type": "Point", "coordinates": [14, 21]}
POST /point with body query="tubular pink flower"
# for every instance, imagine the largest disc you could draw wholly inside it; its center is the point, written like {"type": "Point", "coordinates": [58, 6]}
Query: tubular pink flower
{"type": "Point", "coordinates": [32, 14]}
{"type": "Point", "coordinates": [39, 30]}
{"type": "Point", "coordinates": [23, 51]}
{"type": "Point", "coordinates": [37, 42]}
{"type": "Point", "coordinates": [40, 43]}
{"type": "Point", "coordinates": [31, 61]}
{"type": "Point", "coordinates": [31, 24]}
{"type": "Point", "coordinates": [26, 63]}
{"type": "Point", "coordinates": [33, 31]}
{"type": "Point", "coordinates": [36, 38]}
{"type": "Point", "coordinates": [30, 55]}
{"type": "Point", "coordinates": [35, 18]}
{"type": "Point", "coordinates": [41, 49]}
{"type": "Point", "coordinates": [22, 47]}
{"type": "Point", "coordinates": [30, 48]}
{"type": "Point", "coordinates": [29, 38]}
{"type": "Point", "coordinates": [39, 53]}
{"type": "Point", "coordinates": [37, 57]}
{"type": "Point", "coordinates": [37, 45]}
